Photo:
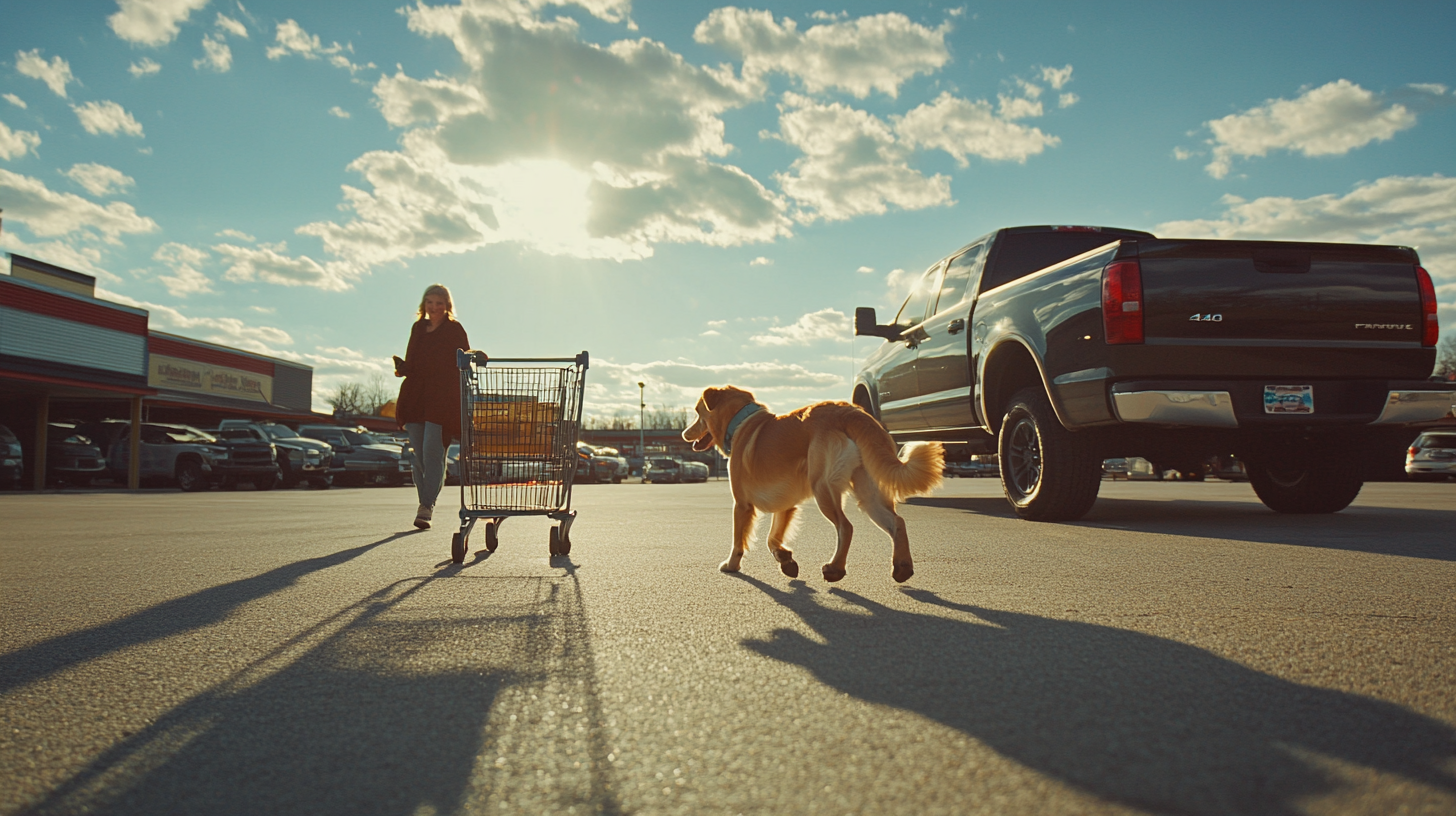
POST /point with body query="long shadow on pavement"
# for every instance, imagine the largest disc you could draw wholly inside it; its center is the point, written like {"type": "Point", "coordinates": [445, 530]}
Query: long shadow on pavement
{"type": "Point", "coordinates": [1131, 718]}
{"type": "Point", "coordinates": [1379, 530]}
{"type": "Point", "coordinates": [172, 617]}
{"type": "Point", "coordinates": [382, 710]}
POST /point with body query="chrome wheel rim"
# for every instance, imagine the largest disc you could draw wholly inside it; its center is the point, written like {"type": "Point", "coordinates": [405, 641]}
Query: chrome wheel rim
{"type": "Point", "coordinates": [1024, 453]}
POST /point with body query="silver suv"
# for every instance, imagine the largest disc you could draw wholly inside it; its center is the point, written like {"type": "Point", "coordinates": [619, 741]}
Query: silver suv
{"type": "Point", "coordinates": [1432, 457]}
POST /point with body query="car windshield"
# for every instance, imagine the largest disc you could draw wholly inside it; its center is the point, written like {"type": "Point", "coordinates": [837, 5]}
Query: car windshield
{"type": "Point", "coordinates": [1437, 441]}
{"type": "Point", "coordinates": [235, 433]}
{"type": "Point", "coordinates": [663, 463]}
{"type": "Point", "coordinates": [280, 432]}
{"type": "Point", "coordinates": [607, 452]}
{"type": "Point", "coordinates": [356, 438]}
{"type": "Point", "coordinates": [183, 434]}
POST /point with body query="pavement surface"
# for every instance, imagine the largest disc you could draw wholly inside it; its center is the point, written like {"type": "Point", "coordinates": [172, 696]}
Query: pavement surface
{"type": "Point", "coordinates": [1181, 650]}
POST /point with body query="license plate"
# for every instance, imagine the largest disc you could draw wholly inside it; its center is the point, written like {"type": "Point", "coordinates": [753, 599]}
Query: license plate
{"type": "Point", "coordinates": [1288, 399]}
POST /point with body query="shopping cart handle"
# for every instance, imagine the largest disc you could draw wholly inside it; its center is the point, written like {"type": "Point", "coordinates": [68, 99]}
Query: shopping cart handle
{"type": "Point", "coordinates": [464, 358]}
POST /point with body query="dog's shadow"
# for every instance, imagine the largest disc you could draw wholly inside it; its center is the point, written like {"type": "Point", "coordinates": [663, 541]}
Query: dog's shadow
{"type": "Point", "coordinates": [1148, 722]}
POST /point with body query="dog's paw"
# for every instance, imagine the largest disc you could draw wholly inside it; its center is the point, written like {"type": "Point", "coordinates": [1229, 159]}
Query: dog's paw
{"type": "Point", "coordinates": [833, 573]}
{"type": "Point", "coordinates": [728, 566]}
{"type": "Point", "coordinates": [790, 567]}
{"type": "Point", "coordinates": [903, 571]}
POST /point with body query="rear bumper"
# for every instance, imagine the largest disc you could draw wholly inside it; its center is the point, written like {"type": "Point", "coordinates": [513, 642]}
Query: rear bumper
{"type": "Point", "coordinates": [1243, 404]}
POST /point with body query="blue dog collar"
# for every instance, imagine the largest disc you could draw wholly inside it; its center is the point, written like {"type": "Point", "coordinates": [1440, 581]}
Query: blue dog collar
{"type": "Point", "coordinates": [738, 419]}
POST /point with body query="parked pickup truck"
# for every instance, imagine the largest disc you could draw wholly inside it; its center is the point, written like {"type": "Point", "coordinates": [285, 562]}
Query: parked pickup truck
{"type": "Point", "coordinates": [1059, 347]}
{"type": "Point", "coordinates": [299, 458]}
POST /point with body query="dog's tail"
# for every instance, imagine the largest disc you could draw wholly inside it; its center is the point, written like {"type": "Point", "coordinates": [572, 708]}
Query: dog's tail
{"type": "Point", "coordinates": [919, 472]}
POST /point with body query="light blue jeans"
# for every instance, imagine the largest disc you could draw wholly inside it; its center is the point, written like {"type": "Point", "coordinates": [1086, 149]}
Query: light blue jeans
{"type": "Point", "coordinates": [427, 443]}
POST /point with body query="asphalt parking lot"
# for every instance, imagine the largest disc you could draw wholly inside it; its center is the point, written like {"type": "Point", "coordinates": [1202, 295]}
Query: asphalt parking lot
{"type": "Point", "coordinates": [1180, 650]}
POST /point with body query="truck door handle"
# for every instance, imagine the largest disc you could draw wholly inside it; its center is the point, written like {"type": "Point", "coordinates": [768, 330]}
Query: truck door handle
{"type": "Point", "coordinates": [957, 326]}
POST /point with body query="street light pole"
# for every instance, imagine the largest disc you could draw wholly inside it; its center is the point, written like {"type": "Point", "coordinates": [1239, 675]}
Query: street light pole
{"type": "Point", "coordinates": [642, 427]}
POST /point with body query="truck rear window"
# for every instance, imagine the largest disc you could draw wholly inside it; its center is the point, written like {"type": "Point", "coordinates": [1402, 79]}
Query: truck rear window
{"type": "Point", "coordinates": [1019, 255]}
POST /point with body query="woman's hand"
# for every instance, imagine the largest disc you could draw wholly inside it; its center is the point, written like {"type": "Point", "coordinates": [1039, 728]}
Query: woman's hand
{"type": "Point", "coordinates": [398, 366]}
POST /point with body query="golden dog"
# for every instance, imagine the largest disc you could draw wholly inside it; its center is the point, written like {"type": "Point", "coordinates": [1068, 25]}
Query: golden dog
{"type": "Point", "coordinates": [821, 450]}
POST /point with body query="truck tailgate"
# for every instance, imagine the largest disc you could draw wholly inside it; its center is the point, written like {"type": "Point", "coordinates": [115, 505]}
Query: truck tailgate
{"type": "Point", "coordinates": [1275, 294]}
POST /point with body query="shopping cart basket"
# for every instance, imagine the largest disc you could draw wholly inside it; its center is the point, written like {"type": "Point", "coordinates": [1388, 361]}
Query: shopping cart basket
{"type": "Point", "coordinates": [518, 427]}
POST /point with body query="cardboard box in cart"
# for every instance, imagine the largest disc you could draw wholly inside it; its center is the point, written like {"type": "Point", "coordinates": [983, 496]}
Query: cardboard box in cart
{"type": "Point", "coordinates": [507, 425]}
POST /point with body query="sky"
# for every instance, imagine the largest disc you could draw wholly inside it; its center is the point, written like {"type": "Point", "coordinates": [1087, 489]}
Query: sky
{"type": "Point", "coordinates": [695, 193]}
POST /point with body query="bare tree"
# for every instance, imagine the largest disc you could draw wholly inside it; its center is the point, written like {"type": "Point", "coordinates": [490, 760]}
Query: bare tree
{"type": "Point", "coordinates": [375, 394]}
{"type": "Point", "coordinates": [347, 398]}
{"type": "Point", "coordinates": [661, 418]}
{"type": "Point", "coordinates": [1446, 357]}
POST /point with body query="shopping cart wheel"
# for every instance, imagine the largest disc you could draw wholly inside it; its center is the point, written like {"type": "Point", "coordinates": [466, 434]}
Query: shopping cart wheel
{"type": "Point", "coordinates": [492, 536]}
{"type": "Point", "coordinates": [564, 546]}
{"type": "Point", "coordinates": [458, 545]}
{"type": "Point", "coordinates": [556, 541]}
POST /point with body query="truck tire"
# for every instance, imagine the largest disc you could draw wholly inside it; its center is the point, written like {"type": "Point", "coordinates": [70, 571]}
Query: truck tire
{"type": "Point", "coordinates": [189, 476]}
{"type": "Point", "coordinates": [265, 482]}
{"type": "Point", "coordinates": [1048, 473]}
{"type": "Point", "coordinates": [321, 482]}
{"type": "Point", "coordinates": [289, 477]}
{"type": "Point", "coordinates": [1325, 488]}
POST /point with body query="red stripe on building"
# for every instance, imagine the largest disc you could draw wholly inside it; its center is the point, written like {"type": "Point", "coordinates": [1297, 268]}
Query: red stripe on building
{"type": "Point", "coordinates": [92, 313]}
{"type": "Point", "coordinates": [206, 354]}
{"type": "Point", "coordinates": [92, 386]}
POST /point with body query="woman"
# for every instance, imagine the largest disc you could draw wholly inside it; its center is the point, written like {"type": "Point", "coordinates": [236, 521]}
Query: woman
{"type": "Point", "coordinates": [429, 398]}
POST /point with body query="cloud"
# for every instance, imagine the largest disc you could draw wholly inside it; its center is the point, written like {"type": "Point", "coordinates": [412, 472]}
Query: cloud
{"type": "Point", "coordinates": [875, 53]}
{"type": "Point", "coordinates": [236, 234]}
{"type": "Point", "coordinates": [14, 100]}
{"type": "Point", "coordinates": [1067, 100]}
{"type": "Point", "coordinates": [1415, 211]}
{"type": "Point", "coordinates": [227, 331]}
{"type": "Point", "coordinates": [339, 112]}
{"type": "Point", "coordinates": [1330, 120]}
{"type": "Point", "coordinates": [56, 74]}
{"type": "Point", "coordinates": [215, 54]}
{"type": "Point", "coordinates": [966, 128]}
{"type": "Point", "coordinates": [852, 163]}
{"type": "Point", "coordinates": [1056, 77]}
{"type": "Point", "coordinates": [231, 26]}
{"type": "Point", "coordinates": [271, 265]}
{"type": "Point", "coordinates": [151, 22]}
{"type": "Point", "coordinates": [81, 258]}
{"type": "Point", "coordinates": [145, 67]}
{"type": "Point", "coordinates": [47, 213]}
{"type": "Point", "coordinates": [691, 378]}
{"type": "Point", "coordinates": [866, 270]}
{"type": "Point", "coordinates": [185, 279]}
{"type": "Point", "coordinates": [292, 39]}
{"type": "Point", "coordinates": [106, 117]}
{"type": "Point", "coordinates": [16, 143]}
{"type": "Point", "coordinates": [825, 324]}
{"type": "Point", "coordinates": [761, 261]}
{"type": "Point", "coordinates": [98, 179]}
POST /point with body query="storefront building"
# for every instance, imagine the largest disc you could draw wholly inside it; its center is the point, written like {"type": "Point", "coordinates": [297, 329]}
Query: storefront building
{"type": "Point", "coordinates": [66, 355]}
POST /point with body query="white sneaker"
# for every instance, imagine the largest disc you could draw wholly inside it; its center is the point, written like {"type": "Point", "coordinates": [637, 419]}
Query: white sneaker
{"type": "Point", "coordinates": [422, 518]}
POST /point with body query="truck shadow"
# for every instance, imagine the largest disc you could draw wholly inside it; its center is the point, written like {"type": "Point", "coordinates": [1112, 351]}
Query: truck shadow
{"type": "Point", "coordinates": [382, 709]}
{"type": "Point", "coordinates": [1139, 720]}
{"type": "Point", "coordinates": [1406, 532]}
{"type": "Point", "coordinates": [194, 611]}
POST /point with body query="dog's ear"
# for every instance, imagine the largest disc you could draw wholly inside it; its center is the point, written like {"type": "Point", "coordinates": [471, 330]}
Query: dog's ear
{"type": "Point", "coordinates": [712, 396]}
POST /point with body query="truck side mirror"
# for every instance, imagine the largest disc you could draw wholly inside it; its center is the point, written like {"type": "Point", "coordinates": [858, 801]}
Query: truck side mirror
{"type": "Point", "coordinates": [866, 324]}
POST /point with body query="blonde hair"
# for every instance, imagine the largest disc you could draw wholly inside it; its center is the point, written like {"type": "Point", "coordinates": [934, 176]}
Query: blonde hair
{"type": "Point", "coordinates": [437, 289]}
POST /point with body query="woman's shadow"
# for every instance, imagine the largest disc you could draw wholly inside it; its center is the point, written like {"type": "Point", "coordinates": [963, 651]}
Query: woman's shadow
{"type": "Point", "coordinates": [1132, 718]}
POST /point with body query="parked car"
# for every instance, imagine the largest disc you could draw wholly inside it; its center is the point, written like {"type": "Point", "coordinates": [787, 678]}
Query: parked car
{"type": "Point", "coordinates": [1432, 456]}
{"type": "Point", "coordinates": [592, 465]}
{"type": "Point", "coordinates": [358, 458]}
{"type": "Point", "coordinates": [694, 471]}
{"type": "Point", "coordinates": [671, 469]}
{"type": "Point", "coordinates": [248, 459]}
{"type": "Point", "coordinates": [72, 457]}
{"type": "Point", "coordinates": [170, 454]}
{"type": "Point", "coordinates": [12, 459]}
{"type": "Point", "coordinates": [1061, 346]}
{"type": "Point", "coordinates": [299, 457]}
{"type": "Point", "coordinates": [1228, 468]}
{"type": "Point", "coordinates": [452, 464]}
{"type": "Point", "coordinates": [972, 467]}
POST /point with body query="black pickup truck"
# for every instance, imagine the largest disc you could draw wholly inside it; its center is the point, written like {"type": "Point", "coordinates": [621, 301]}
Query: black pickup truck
{"type": "Point", "coordinates": [1059, 347]}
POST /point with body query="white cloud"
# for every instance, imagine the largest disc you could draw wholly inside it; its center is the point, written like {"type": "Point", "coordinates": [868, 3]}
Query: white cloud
{"type": "Point", "coordinates": [14, 100]}
{"type": "Point", "coordinates": [1415, 211]}
{"type": "Point", "coordinates": [875, 53]}
{"type": "Point", "coordinates": [1330, 120]}
{"type": "Point", "coordinates": [339, 112]}
{"type": "Point", "coordinates": [49, 214]}
{"type": "Point", "coordinates": [106, 117]}
{"type": "Point", "coordinates": [185, 279]}
{"type": "Point", "coordinates": [145, 67]}
{"type": "Point", "coordinates": [852, 164]}
{"type": "Point", "coordinates": [965, 128]}
{"type": "Point", "coordinates": [1182, 154]}
{"type": "Point", "coordinates": [80, 257]}
{"type": "Point", "coordinates": [825, 324]}
{"type": "Point", "coordinates": [56, 74]}
{"type": "Point", "coordinates": [1056, 77]}
{"type": "Point", "coordinates": [405, 101]}
{"type": "Point", "coordinates": [227, 331]}
{"type": "Point", "coordinates": [292, 39]}
{"type": "Point", "coordinates": [215, 54]}
{"type": "Point", "coordinates": [1067, 100]}
{"type": "Point", "coordinates": [151, 22]}
{"type": "Point", "coordinates": [98, 179]}
{"type": "Point", "coordinates": [270, 265]}
{"type": "Point", "coordinates": [866, 270]}
{"type": "Point", "coordinates": [689, 379]}
{"type": "Point", "coordinates": [231, 26]}
{"type": "Point", "coordinates": [236, 234]}
{"type": "Point", "coordinates": [761, 261]}
{"type": "Point", "coordinates": [16, 143]}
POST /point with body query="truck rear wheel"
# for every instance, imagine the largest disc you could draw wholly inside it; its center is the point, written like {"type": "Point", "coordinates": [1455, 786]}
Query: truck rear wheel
{"type": "Point", "coordinates": [1048, 473]}
{"type": "Point", "coordinates": [1328, 487]}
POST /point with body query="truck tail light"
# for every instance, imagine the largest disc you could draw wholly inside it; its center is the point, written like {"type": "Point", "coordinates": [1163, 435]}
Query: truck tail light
{"type": "Point", "coordinates": [1122, 303]}
{"type": "Point", "coordinates": [1431, 328]}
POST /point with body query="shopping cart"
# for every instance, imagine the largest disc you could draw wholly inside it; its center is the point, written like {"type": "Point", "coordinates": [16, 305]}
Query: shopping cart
{"type": "Point", "coordinates": [518, 427]}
